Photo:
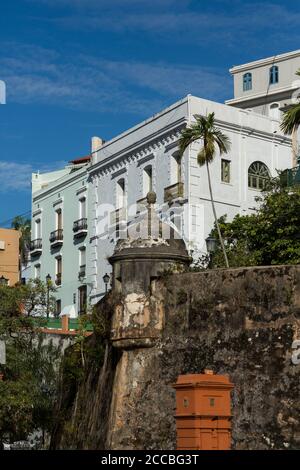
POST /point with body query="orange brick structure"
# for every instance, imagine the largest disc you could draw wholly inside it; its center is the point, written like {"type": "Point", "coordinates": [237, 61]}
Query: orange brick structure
{"type": "Point", "coordinates": [203, 411]}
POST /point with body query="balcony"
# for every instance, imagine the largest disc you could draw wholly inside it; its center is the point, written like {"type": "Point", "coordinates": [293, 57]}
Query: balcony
{"type": "Point", "coordinates": [36, 247]}
{"type": "Point", "coordinates": [175, 191]}
{"type": "Point", "coordinates": [81, 272]}
{"type": "Point", "coordinates": [290, 177]}
{"type": "Point", "coordinates": [56, 238]}
{"type": "Point", "coordinates": [58, 279]}
{"type": "Point", "coordinates": [80, 227]}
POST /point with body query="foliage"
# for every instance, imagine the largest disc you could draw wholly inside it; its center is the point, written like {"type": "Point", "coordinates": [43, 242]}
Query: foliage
{"type": "Point", "coordinates": [23, 225]}
{"type": "Point", "coordinates": [270, 236]}
{"type": "Point", "coordinates": [28, 391]}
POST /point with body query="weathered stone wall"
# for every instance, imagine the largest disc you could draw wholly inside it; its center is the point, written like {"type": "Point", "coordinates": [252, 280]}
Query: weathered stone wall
{"type": "Point", "coordinates": [240, 322]}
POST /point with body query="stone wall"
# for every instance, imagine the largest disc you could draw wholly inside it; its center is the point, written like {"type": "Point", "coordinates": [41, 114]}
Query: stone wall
{"type": "Point", "coordinates": [240, 322]}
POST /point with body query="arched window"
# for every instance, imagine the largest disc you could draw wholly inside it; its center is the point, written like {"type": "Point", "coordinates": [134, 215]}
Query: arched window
{"type": "Point", "coordinates": [120, 193]}
{"type": "Point", "coordinates": [274, 111]}
{"type": "Point", "coordinates": [247, 81]}
{"type": "Point", "coordinates": [274, 75]}
{"type": "Point", "coordinates": [147, 180]}
{"type": "Point", "coordinates": [258, 175]}
{"type": "Point", "coordinates": [175, 169]}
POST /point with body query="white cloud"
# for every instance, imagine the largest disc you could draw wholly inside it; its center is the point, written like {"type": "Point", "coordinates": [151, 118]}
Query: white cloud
{"type": "Point", "coordinates": [36, 75]}
{"type": "Point", "coordinates": [17, 176]}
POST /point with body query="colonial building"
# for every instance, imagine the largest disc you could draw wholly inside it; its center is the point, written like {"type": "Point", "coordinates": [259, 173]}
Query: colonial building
{"type": "Point", "coordinates": [267, 86]}
{"type": "Point", "coordinates": [80, 211]}
{"type": "Point", "coordinates": [59, 232]}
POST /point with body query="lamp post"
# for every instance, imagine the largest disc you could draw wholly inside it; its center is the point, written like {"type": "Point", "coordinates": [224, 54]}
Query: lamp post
{"type": "Point", "coordinates": [211, 245]}
{"type": "Point", "coordinates": [48, 282]}
{"type": "Point", "coordinates": [3, 281]}
{"type": "Point", "coordinates": [106, 279]}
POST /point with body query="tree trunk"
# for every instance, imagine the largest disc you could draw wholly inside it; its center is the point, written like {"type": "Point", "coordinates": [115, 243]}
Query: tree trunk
{"type": "Point", "coordinates": [295, 146]}
{"type": "Point", "coordinates": [215, 216]}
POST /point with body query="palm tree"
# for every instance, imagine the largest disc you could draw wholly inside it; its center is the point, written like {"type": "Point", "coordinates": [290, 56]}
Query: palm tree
{"type": "Point", "coordinates": [290, 124]}
{"type": "Point", "coordinates": [23, 225]}
{"type": "Point", "coordinates": [204, 130]}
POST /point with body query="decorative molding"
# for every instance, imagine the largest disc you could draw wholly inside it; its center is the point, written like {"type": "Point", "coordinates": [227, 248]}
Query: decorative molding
{"type": "Point", "coordinates": [81, 190]}
{"type": "Point", "coordinates": [146, 159]}
{"type": "Point", "coordinates": [37, 212]}
{"type": "Point", "coordinates": [58, 201]}
{"type": "Point", "coordinates": [139, 149]}
{"type": "Point", "coordinates": [118, 173]}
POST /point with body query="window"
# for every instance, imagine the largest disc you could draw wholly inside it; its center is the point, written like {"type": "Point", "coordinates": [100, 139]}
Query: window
{"type": "Point", "coordinates": [58, 307]}
{"type": "Point", "coordinates": [175, 169]}
{"type": "Point", "coordinates": [247, 81]}
{"type": "Point", "coordinates": [120, 193]}
{"type": "Point", "coordinates": [258, 175]}
{"type": "Point", "coordinates": [82, 300]}
{"type": "Point", "coordinates": [58, 270]}
{"type": "Point", "coordinates": [58, 219]}
{"type": "Point", "coordinates": [82, 208]}
{"type": "Point", "coordinates": [225, 171]}
{"type": "Point", "coordinates": [82, 263]}
{"type": "Point", "coordinates": [274, 75]}
{"type": "Point", "coordinates": [274, 111]}
{"type": "Point", "coordinates": [82, 256]}
{"type": "Point", "coordinates": [147, 180]}
{"type": "Point", "coordinates": [38, 229]}
{"type": "Point", "coordinates": [37, 271]}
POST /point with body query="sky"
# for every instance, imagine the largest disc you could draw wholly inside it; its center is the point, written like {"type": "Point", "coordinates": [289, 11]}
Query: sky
{"type": "Point", "coordinates": [78, 68]}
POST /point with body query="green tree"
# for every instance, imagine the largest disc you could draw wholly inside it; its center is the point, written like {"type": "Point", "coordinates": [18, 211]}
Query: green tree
{"type": "Point", "coordinates": [290, 125]}
{"type": "Point", "coordinates": [211, 138]}
{"type": "Point", "coordinates": [270, 236]}
{"type": "Point", "coordinates": [28, 391]}
{"type": "Point", "coordinates": [23, 225]}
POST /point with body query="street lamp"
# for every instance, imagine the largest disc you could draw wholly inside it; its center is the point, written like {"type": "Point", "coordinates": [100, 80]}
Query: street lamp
{"type": "Point", "coordinates": [106, 279]}
{"type": "Point", "coordinates": [211, 244]}
{"type": "Point", "coordinates": [3, 281]}
{"type": "Point", "coordinates": [48, 283]}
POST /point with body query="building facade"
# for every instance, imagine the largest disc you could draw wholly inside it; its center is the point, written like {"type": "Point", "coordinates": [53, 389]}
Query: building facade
{"type": "Point", "coordinates": [59, 233]}
{"type": "Point", "coordinates": [108, 190]}
{"type": "Point", "coordinates": [267, 86]}
{"type": "Point", "coordinates": [9, 256]}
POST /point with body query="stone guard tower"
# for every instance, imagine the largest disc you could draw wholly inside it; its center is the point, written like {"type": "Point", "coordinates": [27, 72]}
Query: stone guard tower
{"type": "Point", "coordinates": [151, 249]}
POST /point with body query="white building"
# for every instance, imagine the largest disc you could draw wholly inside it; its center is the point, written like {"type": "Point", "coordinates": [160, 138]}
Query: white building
{"type": "Point", "coordinates": [267, 86]}
{"type": "Point", "coordinates": [145, 157]}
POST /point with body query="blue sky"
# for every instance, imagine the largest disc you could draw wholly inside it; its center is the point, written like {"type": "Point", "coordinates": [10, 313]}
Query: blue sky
{"type": "Point", "coordinates": [78, 68]}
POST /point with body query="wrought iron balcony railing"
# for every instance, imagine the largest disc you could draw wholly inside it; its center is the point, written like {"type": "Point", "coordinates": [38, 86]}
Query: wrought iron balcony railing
{"type": "Point", "coordinates": [80, 226]}
{"type": "Point", "coordinates": [56, 237]}
{"type": "Point", "coordinates": [36, 246]}
{"type": "Point", "coordinates": [174, 191]}
{"type": "Point", "coordinates": [290, 177]}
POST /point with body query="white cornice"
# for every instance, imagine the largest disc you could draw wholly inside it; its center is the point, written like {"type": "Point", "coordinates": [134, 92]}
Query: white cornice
{"type": "Point", "coordinates": [256, 96]}
{"type": "Point", "coordinates": [266, 61]}
{"type": "Point", "coordinates": [63, 183]}
{"type": "Point", "coordinates": [141, 147]}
